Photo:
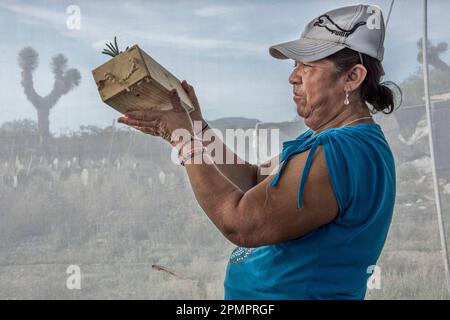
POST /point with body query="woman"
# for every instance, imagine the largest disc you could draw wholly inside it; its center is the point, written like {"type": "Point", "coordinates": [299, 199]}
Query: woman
{"type": "Point", "coordinates": [315, 228]}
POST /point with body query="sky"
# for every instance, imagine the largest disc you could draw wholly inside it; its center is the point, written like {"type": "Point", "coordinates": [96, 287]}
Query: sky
{"type": "Point", "coordinates": [220, 47]}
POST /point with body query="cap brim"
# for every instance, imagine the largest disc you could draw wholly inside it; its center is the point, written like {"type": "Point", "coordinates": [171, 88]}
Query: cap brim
{"type": "Point", "coordinates": [305, 50]}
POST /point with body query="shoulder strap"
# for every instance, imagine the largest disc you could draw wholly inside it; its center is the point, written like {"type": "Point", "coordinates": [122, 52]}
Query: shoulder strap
{"type": "Point", "coordinates": [289, 152]}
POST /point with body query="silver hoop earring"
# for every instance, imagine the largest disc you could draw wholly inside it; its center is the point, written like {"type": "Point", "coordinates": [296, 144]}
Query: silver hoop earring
{"type": "Point", "coordinates": [346, 101]}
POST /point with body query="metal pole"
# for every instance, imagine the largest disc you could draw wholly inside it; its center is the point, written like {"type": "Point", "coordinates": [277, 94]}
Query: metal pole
{"type": "Point", "coordinates": [389, 14]}
{"type": "Point", "coordinates": [430, 141]}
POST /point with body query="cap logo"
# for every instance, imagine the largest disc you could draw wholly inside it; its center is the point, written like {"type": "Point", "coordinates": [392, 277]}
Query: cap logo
{"type": "Point", "coordinates": [334, 28]}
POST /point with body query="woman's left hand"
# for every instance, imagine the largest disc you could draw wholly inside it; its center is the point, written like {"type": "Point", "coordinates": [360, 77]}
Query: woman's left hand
{"type": "Point", "coordinates": [161, 123]}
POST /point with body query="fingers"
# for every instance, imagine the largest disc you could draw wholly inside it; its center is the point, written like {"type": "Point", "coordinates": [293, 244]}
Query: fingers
{"type": "Point", "coordinates": [188, 88]}
{"type": "Point", "coordinates": [190, 92]}
{"type": "Point", "coordinates": [147, 130]}
{"type": "Point", "coordinates": [185, 86]}
{"type": "Point", "coordinates": [155, 127]}
{"type": "Point", "coordinates": [138, 122]}
{"type": "Point", "coordinates": [131, 110]}
{"type": "Point", "coordinates": [175, 99]}
{"type": "Point", "coordinates": [157, 130]}
{"type": "Point", "coordinates": [143, 115]}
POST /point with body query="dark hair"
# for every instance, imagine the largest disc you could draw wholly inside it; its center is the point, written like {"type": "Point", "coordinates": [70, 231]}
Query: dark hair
{"type": "Point", "coordinates": [379, 95]}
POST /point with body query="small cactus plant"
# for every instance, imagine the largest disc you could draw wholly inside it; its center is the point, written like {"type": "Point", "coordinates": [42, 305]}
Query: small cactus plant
{"type": "Point", "coordinates": [112, 49]}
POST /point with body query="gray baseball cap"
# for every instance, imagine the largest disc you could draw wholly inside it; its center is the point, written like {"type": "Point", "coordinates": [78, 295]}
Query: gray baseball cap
{"type": "Point", "coordinates": [360, 28]}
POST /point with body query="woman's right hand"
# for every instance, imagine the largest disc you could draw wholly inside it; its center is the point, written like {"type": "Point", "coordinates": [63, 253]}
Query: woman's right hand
{"type": "Point", "coordinates": [196, 114]}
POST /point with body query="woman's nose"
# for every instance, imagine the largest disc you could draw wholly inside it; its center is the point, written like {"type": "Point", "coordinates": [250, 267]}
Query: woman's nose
{"type": "Point", "coordinates": [295, 77]}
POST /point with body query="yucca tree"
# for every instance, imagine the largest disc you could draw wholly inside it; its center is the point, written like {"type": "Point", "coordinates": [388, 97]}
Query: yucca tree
{"type": "Point", "coordinates": [433, 55]}
{"type": "Point", "coordinates": [65, 81]}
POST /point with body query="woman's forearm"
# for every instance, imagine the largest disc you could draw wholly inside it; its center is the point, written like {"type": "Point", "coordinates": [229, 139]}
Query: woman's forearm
{"type": "Point", "coordinates": [238, 171]}
{"type": "Point", "coordinates": [216, 194]}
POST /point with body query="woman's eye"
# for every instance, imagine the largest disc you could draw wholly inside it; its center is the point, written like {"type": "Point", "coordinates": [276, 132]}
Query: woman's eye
{"type": "Point", "coordinates": [304, 68]}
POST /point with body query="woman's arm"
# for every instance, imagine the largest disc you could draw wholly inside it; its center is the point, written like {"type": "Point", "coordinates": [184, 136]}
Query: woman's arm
{"type": "Point", "coordinates": [261, 215]}
{"type": "Point", "coordinates": [267, 168]}
{"type": "Point", "coordinates": [266, 215]}
{"type": "Point", "coordinates": [240, 172]}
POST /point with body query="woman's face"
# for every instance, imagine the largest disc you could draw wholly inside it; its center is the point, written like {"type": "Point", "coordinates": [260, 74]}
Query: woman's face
{"type": "Point", "coordinates": [318, 92]}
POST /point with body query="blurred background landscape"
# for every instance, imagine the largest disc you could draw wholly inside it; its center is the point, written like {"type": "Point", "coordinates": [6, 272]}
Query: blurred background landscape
{"type": "Point", "coordinates": [79, 189]}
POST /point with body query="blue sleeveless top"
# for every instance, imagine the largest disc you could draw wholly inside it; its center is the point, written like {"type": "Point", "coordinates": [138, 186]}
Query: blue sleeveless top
{"type": "Point", "coordinates": [335, 260]}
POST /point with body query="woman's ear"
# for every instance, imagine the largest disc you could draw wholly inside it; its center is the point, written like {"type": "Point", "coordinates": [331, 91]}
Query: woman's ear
{"type": "Point", "coordinates": [355, 77]}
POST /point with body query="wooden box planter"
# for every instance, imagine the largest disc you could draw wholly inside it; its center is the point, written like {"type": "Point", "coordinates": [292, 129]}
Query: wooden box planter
{"type": "Point", "coordinates": [134, 80]}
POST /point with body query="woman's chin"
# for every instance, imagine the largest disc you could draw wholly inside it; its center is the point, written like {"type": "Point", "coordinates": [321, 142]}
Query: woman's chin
{"type": "Point", "coordinates": [309, 124]}
{"type": "Point", "coordinates": [303, 112]}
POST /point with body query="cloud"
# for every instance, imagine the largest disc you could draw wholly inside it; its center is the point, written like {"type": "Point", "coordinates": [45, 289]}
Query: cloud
{"type": "Point", "coordinates": [234, 28]}
{"type": "Point", "coordinates": [214, 11]}
{"type": "Point", "coordinates": [94, 32]}
{"type": "Point", "coordinates": [37, 12]}
{"type": "Point", "coordinates": [186, 41]}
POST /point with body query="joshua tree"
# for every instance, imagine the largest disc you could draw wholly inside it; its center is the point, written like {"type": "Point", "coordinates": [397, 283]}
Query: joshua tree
{"type": "Point", "coordinates": [65, 80]}
{"type": "Point", "coordinates": [433, 55]}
